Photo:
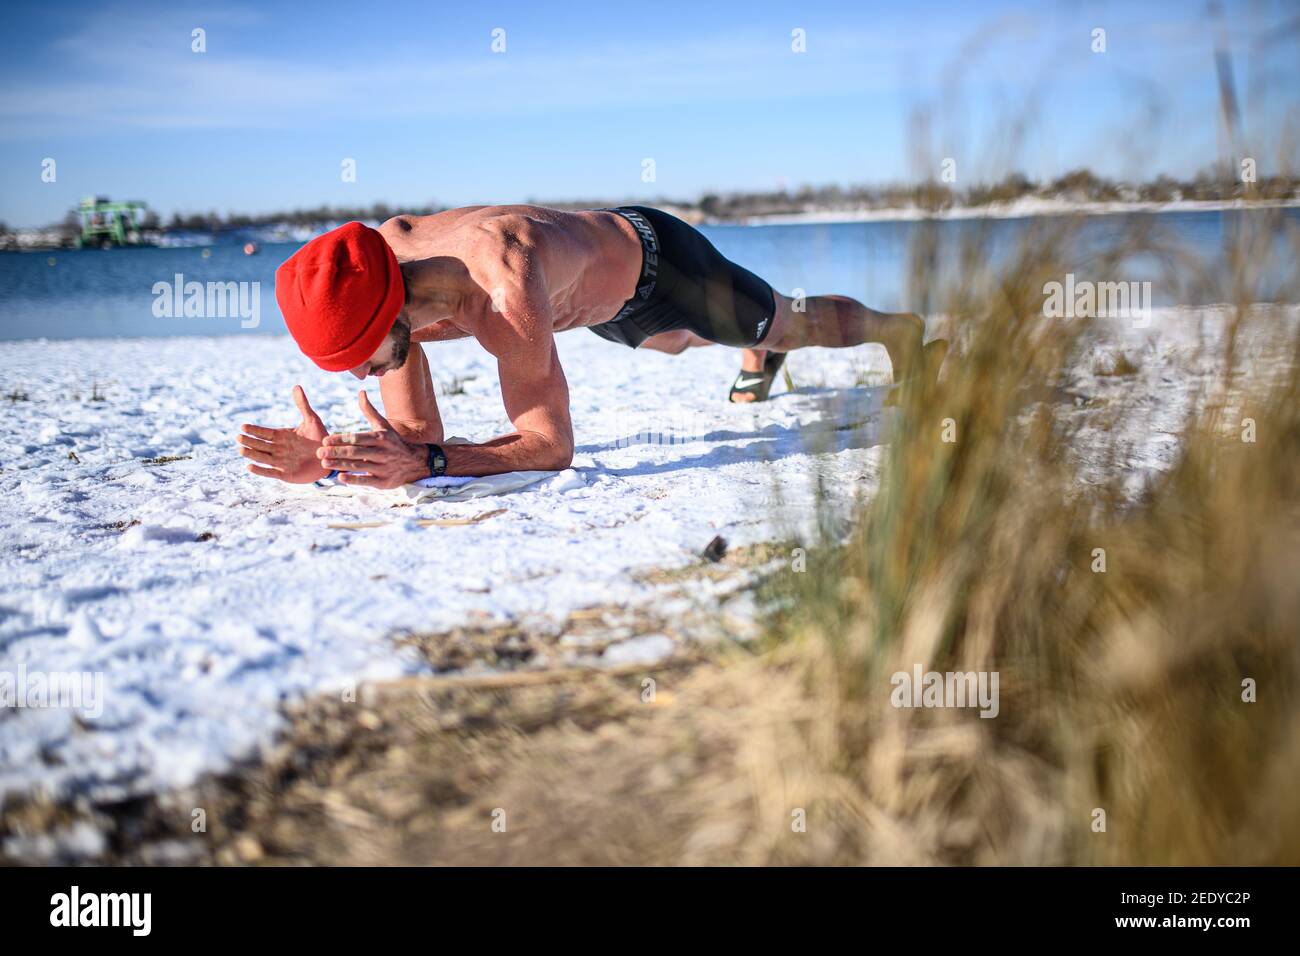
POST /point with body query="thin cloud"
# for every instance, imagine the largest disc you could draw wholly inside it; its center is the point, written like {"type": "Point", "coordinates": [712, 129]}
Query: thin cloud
{"type": "Point", "coordinates": [137, 72]}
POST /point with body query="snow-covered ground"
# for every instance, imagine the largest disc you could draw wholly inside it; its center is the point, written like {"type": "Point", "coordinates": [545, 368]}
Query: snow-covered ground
{"type": "Point", "coordinates": [198, 641]}
{"type": "Point", "coordinates": [203, 597]}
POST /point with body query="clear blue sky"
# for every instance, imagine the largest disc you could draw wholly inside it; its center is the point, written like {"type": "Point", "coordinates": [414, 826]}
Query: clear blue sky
{"type": "Point", "coordinates": [711, 91]}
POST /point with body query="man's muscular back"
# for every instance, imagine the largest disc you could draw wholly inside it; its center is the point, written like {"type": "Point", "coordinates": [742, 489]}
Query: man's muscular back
{"type": "Point", "coordinates": [466, 266]}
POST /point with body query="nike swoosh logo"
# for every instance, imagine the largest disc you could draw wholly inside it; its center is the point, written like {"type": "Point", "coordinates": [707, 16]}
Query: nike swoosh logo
{"type": "Point", "coordinates": [746, 382]}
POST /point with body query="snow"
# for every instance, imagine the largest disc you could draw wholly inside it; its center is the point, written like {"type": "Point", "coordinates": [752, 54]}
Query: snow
{"type": "Point", "coordinates": [205, 597]}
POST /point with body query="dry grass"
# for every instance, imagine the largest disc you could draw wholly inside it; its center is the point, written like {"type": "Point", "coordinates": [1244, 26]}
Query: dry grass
{"type": "Point", "coordinates": [1122, 690]}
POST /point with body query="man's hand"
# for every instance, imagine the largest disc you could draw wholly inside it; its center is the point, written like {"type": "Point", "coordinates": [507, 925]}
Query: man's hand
{"type": "Point", "coordinates": [286, 453]}
{"type": "Point", "coordinates": [387, 459]}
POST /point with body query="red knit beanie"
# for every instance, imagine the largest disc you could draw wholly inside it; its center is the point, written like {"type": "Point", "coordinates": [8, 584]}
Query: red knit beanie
{"type": "Point", "coordinates": [340, 294]}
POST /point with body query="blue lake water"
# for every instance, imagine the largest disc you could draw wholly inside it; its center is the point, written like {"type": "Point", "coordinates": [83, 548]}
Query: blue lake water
{"type": "Point", "coordinates": [106, 293]}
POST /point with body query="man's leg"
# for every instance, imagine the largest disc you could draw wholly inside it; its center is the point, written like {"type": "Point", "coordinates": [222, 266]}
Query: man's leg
{"type": "Point", "coordinates": [675, 343]}
{"type": "Point", "coordinates": [836, 322]}
{"type": "Point", "coordinates": [830, 321]}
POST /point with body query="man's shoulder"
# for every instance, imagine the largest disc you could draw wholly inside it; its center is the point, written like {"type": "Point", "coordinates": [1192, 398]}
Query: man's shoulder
{"type": "Point", "coordinates": [407, 226]}
{"type": "Point", "coordinates": [499, 222]}
{"type": "Point", "coordinates": [510, 236]}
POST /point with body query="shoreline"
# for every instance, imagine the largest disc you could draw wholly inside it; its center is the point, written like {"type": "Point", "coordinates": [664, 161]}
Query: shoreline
{"type": "Point", "coordinates": [30, 240]}
{"type": "Point", "coordinates": [1026, 208]}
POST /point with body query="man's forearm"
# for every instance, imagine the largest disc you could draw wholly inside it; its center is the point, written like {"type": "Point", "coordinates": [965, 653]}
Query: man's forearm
{"type": "Point", "coordinates": [518, 451]}
{"type": "Point", "coordinates": [410, 402]}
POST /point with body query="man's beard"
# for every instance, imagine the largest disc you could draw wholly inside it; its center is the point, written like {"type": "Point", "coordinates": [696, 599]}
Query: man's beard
{"type": "Point", "coordinates": [401, 333]}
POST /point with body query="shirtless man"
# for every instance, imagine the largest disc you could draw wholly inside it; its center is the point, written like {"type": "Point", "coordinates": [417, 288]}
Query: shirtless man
{"type": "Point", "coordinates": [512, 277]}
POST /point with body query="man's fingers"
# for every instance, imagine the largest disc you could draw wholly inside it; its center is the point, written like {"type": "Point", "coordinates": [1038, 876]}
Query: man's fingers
{"type": "Point", "coordinates": [346, 453]}
{"type": "Point", "coordinates": [264, 472]}
{"type": "Point", "coordinates": [257, 431]}
{"type": "Point", "coordinates": [256, 454]}
{"type": "Point", "coordinates": [377, 421]}
{"type": "Point", "coordinates": [364, 439]}
{"type": "Point", "coordinates": [308, 413]}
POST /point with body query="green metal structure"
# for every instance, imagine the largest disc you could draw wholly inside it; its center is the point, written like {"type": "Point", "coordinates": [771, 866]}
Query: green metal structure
{"type": "Point", "coordinates": [105, 223]}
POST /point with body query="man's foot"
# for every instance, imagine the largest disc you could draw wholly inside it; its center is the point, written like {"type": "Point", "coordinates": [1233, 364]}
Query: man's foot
{"type": "Point", "coordinates": [755, 386]}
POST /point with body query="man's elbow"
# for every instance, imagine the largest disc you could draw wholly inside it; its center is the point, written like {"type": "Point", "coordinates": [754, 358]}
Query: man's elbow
{"type": "Point", "coordinates": [555, 455]}
{"type": "Point", "coordinates": [558, 459]}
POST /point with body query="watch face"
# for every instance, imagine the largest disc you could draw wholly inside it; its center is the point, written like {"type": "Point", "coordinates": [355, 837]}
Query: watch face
{"type": "Point", "coordinates": [437, 461]}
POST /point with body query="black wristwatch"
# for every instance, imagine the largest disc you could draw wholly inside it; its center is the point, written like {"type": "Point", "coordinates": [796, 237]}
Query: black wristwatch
{"type": "Point", "coordinates": [437, 461]}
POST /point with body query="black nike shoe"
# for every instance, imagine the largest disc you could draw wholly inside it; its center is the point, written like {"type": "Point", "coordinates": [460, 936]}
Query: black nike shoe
{"type": "Point", "coordinates": [758, 384]}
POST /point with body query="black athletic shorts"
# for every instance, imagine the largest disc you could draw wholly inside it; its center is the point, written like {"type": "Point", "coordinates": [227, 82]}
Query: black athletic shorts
{"type": "Point", "coordinates": [687, 284]}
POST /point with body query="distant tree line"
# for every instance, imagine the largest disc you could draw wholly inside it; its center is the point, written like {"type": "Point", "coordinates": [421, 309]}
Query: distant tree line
{"type": "Point", "coordinates": [1219, 183]}
{"type": "Point", "coordinates": [1080, 185]}
{"type": "Point", "coordinates": [215, 222]}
